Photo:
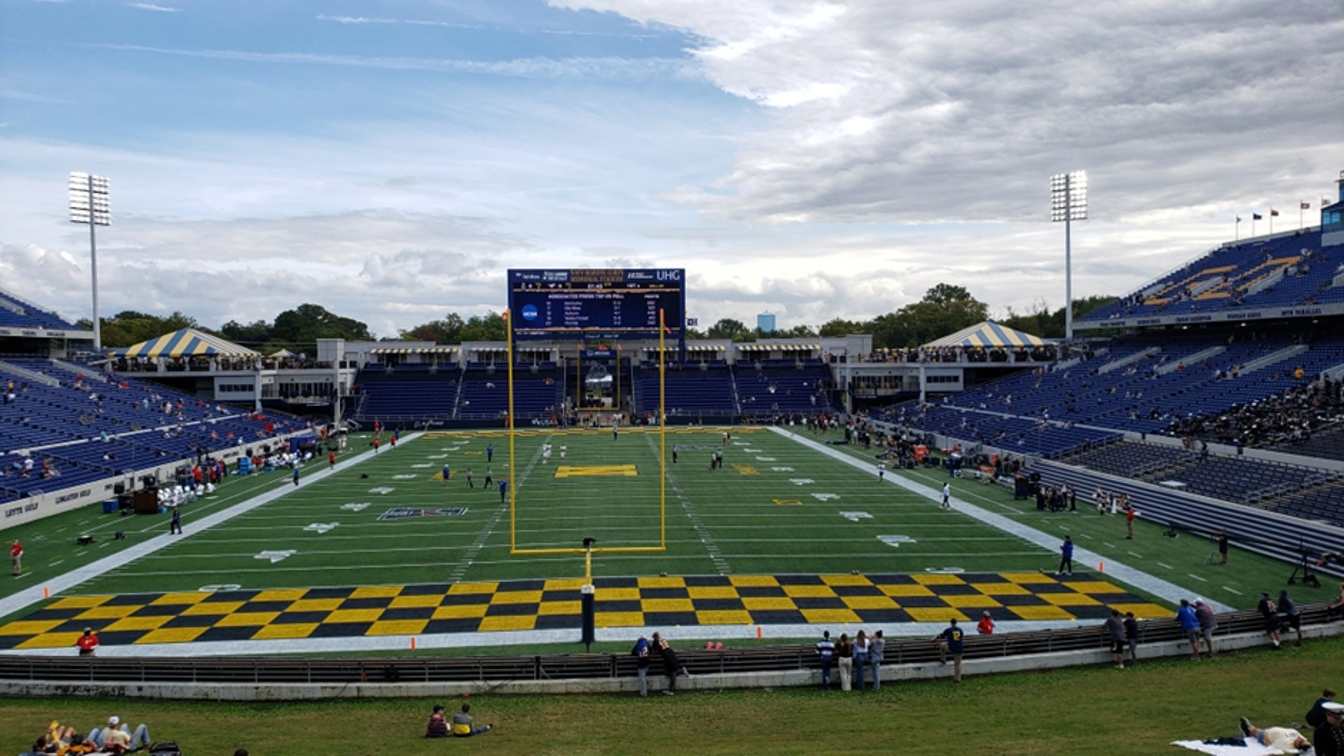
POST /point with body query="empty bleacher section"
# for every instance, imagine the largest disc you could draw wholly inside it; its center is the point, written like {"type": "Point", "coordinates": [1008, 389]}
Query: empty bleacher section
{"type": "Point", "coordinates": [770, 387]}
{"type": "Point", "coordinates": [16, 313]}
{"type": "Point", "coordinates": [415, 394]}
{"type": "Point", "coordinates": [81, 429]}
{"type": "Point", "coordinates": [1012, 434]}
{"type": "Point", "coordinates": [694, 392]}
{"type": "Point", "coordinates": [538, 392]}
{"type": "Point", "coordinates": [408, 393]}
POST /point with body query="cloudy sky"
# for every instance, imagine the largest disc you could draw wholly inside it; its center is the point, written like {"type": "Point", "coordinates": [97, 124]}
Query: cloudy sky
{"type": "Point", "coordinates": [390, 159]}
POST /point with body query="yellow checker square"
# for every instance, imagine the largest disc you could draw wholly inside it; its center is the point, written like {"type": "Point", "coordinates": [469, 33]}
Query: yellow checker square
{"type": "Point", "coordinates": [107, 612]}
{"type": "Point", "coordinates": [354, 615]}
{"type": "Point", "coordinates": [971, 602]}
{"type": "Point", "coordinates": [171, 635]}
{"type": "Point", "coordinates": [30, 627]}
{"type": "Point", "coordinates": [666, 605]}
{"type": "Point", "coordinates": [934, 613]}
{"type": "Point", "coordinates": [768, 603]}
{"type": "Point", "coordinates": [617, 594]}
{"type": "Point", "coordinates": [375, 591]}
{"type": "Point", "coordinates": [1070, 599]}
{"type": "Point", "coordinates": [1027, 578]}
{"type": "Point", "coordinates": [280, 594]}
{"type": "Point", "coordinates": [662, 582]}
{"type": "Point", "coordinates": [327, 604]}
{"type": "Point", "coordinates": [723, 617]}
{"type": "Point", "coordinates": [459, 611]}
{"type": "Point", "coordinates": [458, 589]}
{"type": "Point", "coordinates": [414, 602]}
{"type": "Point", "coordinates": [284, 632]}
{"type": "Point", "coordinates": [938, 579]}
{"type": "Point", "coordinates": [619, 619]}
{"type": "Point", "coordinates": [754, 581]}
{"type": "Point", "coordinates": [712, 592]}
{"type": "Point", "coordinates": [78, 602]}
{"type": "Point", "coordinates": [182, 597]}
{"type": "Point", "coordinates": [870, 602]}
{"type": "Point", "coordinates": [596, 471]}
{"type": "Point", "coordinates": [845, 580]}
{"type": "Point", "coordinates": [137, 623]}
{"type": "Point", "coordinates": [809, 591]}
{"type": "Point", "coordinates": [397, 627]}
{"type": "Point", "coordinates": [212, 608]}
{"type": "Point", "coordinates": [553, 608]}
{"type": "Point", "coordinates": [905, 590]}
{"type": "Point", "coordinates": [516, 597]}
{"type": "Point", "coordinates": [51, 640]}
{"type": "Point", "coordinates": [564, 584]}
{"type": "Point", "coordinates": [247, 619]}
{"type": "Point", "coordinates": [1040, 613]}
{"type": "Point", "coordinates": [1096, 586]}
{"type": "Point", "coordinates": [1144, 610]}
{"type": "Point", "coordinates": [830, 615]}
{"type": "Point", "coordinates": [508, 622]}
{"type": "Point", "coordinates": [1001, 589]}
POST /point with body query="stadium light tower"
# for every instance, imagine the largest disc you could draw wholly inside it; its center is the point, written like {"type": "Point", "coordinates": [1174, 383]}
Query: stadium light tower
{"type": "Point", "coordinates": [1068, 203]}
{"type": "Point", "coordinates": [89, 204]}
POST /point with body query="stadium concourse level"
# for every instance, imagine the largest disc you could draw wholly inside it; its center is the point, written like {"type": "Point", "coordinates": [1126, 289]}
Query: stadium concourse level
{"type": "Point", "coordinates": [16, 313]}
{"type": "Point", "coordinates": [60, 428]}
{"type": "Point", "coordinates": [710, 391]}
{"type": "Point", "coordinates": [1284, 270]}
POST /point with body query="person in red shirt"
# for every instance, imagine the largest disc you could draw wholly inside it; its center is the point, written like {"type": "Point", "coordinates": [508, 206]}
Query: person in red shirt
{"type": "Point", "coordinates": [16, 557]}
{"type": "Point", "coordinates": [986, 624]}
{"type": "Point", "coordinates": [331, 459]}
{"type": "Point", "coordinates": [376, 443]}
{"type": "Point", "coordinates": [1129, 521]}
{"type": "Point", "coordinates": [87, 642]}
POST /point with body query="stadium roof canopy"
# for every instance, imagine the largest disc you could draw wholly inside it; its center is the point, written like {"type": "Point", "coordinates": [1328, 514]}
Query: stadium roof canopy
{"type": "Point", "coordinates": [185, 342]}
{"type": "Point", "coordinates": [987, 334]}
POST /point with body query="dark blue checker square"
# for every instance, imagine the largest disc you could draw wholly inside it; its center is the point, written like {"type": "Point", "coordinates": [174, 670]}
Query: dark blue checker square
{"type": "Point", "coordinates": [663, 593]}
{"type": "Point", "coordinates": [424, 589]}
{"type": "Point", "coordinates": [883, 615]}
{"type": "Point", "coordinates": [670, 619]}
{"type": "Point", "coordinates": [463, 625]}
{"type": "Point", "coordinates": [130, 599]}
{"type": "Point", "coordinates": [340, 629]}
{"type": "Point", "coordinates": [408, 613]}
{"type": "Point", "coordinates": [227, 634]}
{"type": "Point", "coordinates": [522, 585]}
{"type": "Point", "coordinates": [760, 591]}
{"type": "Point", "coordinates": [556, 622]}
{"type": "Point", "coordinates": [819, 602]}
{"type": "Point", "coordinates": [698, 581]}
{"type": "Point", "coordinates": [507, 610]}
{"type": "Point", "coordinates": [264, 606]}
{"type": "Point", "coordinates": [231, 596]}
{"type": "Point", "coordinates": [616, 582]}
{"type": "Point", "coordinates": [298, 618]}
{"type": "Point", "coordinates": [857, 590]}
{"type": "Point", "coordinates": [160, 610]}
{"type": "Point", "coordinates": [799, 579]}
{"type": "Point", "coordinates": [318, 593]}
{"type": "Point", "coordinates": [562, 595]}
{"type": "Point", "coordinates": [717, 604]}
{"type": "Point", "coordinates": [778, 617]}
{"type": "Point", "coordinates": [458, 599]}
{"type": "Point", "coordinates": [617, 606]}
{"type": "Point", "coordinates": [193, 620]}
{"type": "Point", "coordinates": [378, 602]}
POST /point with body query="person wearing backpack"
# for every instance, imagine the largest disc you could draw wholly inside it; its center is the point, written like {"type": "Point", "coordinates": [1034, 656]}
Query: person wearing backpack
{"type": "Point", "coordinates": [641, 654]}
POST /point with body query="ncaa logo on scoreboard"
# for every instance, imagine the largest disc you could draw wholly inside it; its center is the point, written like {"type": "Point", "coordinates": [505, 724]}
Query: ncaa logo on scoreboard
{"type": "Point", "coordinates": [530, 312]}
{"type": "Point", "coordinates": [671, 274]}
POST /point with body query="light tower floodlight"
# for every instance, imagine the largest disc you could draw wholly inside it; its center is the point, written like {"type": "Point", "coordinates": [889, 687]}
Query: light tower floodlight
{"type": "Point", "coordinates": [1068, 203]}
{"type": "Point", "coordinates": [89, 203]}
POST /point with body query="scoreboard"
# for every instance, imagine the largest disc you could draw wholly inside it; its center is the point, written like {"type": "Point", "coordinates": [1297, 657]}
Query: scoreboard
{"type": "Point", "coordinates": [596, 304]}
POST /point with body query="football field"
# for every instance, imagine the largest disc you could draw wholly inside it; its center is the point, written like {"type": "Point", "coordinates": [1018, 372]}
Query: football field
{"type": "Point", "coordinates": [782, 534]}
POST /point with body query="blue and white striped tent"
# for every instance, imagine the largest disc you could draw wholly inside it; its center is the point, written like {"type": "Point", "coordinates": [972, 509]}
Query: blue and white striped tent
{"type": "Point", "coordinates": [185, 342]}
{"type": "Point", "coordinates": [987, 334]}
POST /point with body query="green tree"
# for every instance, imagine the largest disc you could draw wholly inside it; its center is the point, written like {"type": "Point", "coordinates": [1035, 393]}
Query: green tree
{"type": "Point", "coordinates": [445, 331]}
{"type": "Point", "coordinates": [944, 309]}
{"type": "Point", "coordinates": [488, 327]}
{"type": "Point", "coordinates": [306, 323]}
{"type": "Point", "coordinates": [727, 328]}
{"type": "Point", "coordinates": [842, 327]}
{"type": "Point", "coordinates": [132, 327]}
{"type": "Point", "coordinates": [1049, 324]}
{"type": "Point", "coordinates": [253, 334]}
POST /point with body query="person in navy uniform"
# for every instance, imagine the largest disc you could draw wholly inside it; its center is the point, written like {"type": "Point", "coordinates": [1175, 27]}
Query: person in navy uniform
{"type": "Point", "coordinates": [951, 643]}
{"type": "Point", "coordinates": [1066, 557]}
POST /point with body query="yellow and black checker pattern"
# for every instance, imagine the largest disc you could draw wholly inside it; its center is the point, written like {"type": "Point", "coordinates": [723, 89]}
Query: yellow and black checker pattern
{"type": "Point", "coordinates": [287, 613]}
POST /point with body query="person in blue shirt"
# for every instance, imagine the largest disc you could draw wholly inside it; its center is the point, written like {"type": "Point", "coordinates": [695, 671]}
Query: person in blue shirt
{"type": "Point", "coordinates": [950, 642]}
{"type": "Point", "coordinates": [1066, 557]}
{"type": "Point", "coordinates": [489, 453]}
{"type": "Point", "coordinates": [1189, 625]}
{"type": "Point", "coordinates": [447, 473]}
{"type": "Point", "coordinates": [503, 491]}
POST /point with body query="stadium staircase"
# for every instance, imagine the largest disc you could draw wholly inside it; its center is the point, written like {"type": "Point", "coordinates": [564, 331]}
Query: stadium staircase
{"type": "Point", "coordinates": [35, 376]}
{"type": "Point", "coordinates": [71, 367]}
{"type": "Point", "coordinates": [1274, 358]}
{"type": "Point", "coordinates": [1202, 355]}
{"type": "Point", "coordinates": [1125, 361]}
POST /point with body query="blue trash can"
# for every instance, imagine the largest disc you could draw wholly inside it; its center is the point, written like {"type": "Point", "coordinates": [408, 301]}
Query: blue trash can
{"type": "Point", "coordinates": [110, 506]}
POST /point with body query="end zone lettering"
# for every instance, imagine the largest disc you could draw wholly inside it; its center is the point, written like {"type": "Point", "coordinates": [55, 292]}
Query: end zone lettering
{"type": "Point", "coordinates": [405, 513]}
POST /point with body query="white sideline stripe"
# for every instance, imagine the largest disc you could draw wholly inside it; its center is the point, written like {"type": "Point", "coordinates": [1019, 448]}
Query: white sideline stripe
{"type": "Point", "coordinates": [1230, 589]}
{"type": "Point", "coordinates": [1153, 585]}
{"type": "Point", "coordinates": [517, 637]}
{"type": "Point", "coordinates": [30, 596]}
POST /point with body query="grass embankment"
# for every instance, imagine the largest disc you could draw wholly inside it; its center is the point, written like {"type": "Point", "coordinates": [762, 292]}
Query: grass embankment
{"type": "Point", "coordinates": [1095, 710]}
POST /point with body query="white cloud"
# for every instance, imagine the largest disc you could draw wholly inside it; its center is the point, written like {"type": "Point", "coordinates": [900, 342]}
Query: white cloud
{"type": "Point", "coordinates": [153, 7]}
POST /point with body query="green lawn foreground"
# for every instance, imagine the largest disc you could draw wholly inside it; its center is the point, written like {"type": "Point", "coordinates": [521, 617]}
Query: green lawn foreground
{"type": "Point", "coordinates": [1092, 710]}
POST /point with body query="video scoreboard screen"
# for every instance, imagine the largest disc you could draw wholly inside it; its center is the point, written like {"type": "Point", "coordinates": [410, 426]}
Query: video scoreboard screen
{"type": "Point", "coordinates": [597, 304]}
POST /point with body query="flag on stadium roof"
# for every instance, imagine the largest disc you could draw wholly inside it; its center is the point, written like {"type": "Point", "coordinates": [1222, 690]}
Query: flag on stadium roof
{"type": "Point", "coordinates": [185, 342]}
{"type": "Point", "coordinates": [988, 334]}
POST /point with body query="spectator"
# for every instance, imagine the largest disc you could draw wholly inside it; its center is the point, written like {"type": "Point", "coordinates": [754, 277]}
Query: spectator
{"type": "Point", "coordinates": [1066, 557]}
{"type": "Point", "coordinates": [1222, 547]}
{"type": "Point", "coordinates": [1208, 622]}
{"type": "Point", "coordinates": [1276, 739]}
{"type": "Point", "coordinates": [1269, 615]}
{"type": "Point", "coordinates": [1329, 736]}
{"type": "Point", "coordinates": [877, 650]}
{"type": "Point", "coordinates": [950, 642]}
{"type": "Point", "coordinates": [860, 658]}
{"type": "Point", "coordinates": [1185, 615]}
{"type": "Point", "coordinates": [1316, 715]}
{"type": "Point", "coordinates": [1290, 615]}
{"type": "Point", "coordinates": [1115, 633]}
{"type": "Point", "coordinates": [826, 653]}
{"type": "Point", "coordinates": [16, 559]}
{"type": "Point", "coordinates": [87, 642]}
{"type": "Point", "coordinates": [1132, 637]}
{"type": "Point", "coordinates": [1336, 607]}
{"type": "Point", "coordinates": [844, 651]}
{"type": "Point", "coordinates": [641, 654]}
{"type": "Point", "coordinates": [438, 723]}
{"type": "Point", "coordinates": [116, 737]}
{"type": "Point", "coordinates": [672, 666]}
{"type": "Point", "coordinates": [986, 624]}
{"type": "Point", "coordinates": [465, 727]}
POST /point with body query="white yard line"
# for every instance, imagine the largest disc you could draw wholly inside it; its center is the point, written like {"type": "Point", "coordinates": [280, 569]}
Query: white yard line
{"type": "Point", "coordinates": [1200, 579]}
{"type": "Point", "coordinates": [1150, 584]}
{"type": "Point", "coordinates": [29, 596]}
{"type": "Point", "coordinates": [475, 549]}
{"type": "Point", "coordinates": [705, 537]}
{"type": "Point", "coordinates": [1230, 589]}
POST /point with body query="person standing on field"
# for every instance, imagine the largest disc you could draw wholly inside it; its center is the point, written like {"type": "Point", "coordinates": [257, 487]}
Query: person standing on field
{"type": "Point", "coordinates": [16, 558]}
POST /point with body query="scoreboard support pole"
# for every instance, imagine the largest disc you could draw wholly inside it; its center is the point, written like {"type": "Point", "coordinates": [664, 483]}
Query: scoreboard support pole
{"type": "Point", "coordinates": [662, 434]}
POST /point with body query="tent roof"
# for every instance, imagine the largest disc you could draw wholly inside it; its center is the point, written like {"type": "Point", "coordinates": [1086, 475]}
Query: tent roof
{"type": "Point", "coordinates": [987, 334]}
{"type": "Point", "coordinates": [185, 342]}
{"type": "Point", "coordinates": [282, 353]}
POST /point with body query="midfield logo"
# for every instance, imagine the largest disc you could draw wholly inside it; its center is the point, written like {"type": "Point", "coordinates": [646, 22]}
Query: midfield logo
{"type": "Point", "coordinates": [406, 513]}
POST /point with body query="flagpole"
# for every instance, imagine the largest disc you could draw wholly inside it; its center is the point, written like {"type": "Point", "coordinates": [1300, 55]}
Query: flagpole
{"type": "Point", "coordinates": [1236, 229]}
{"type": "Point", "coordinates": [1271, 221]}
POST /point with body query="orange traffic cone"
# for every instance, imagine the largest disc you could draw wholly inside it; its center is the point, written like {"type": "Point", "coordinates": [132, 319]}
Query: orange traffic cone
{"type": "Point", "coordinates": [759, 634]}
{"type": "Point", "coordinates": [46, 593]}
{"type": "Point", "coordinates": [412, 642]}
{"type": "Point", "coordinates": [1101, 566]}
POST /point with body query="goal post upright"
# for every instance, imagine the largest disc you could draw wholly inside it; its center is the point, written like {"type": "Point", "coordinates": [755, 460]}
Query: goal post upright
{"type": "Point", "coordinates": [513, 480]}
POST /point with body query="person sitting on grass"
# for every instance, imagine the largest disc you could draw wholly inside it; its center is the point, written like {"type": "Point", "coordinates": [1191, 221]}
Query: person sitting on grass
{"type": "Point", "coordinates": [438, 724]}
{"type": "Point", "coordinates": [1335, 609]}
{"type": "Point", "coordinates": [1280, 739]}
{"type": "Point", "coordinates": [119, 736]}
{"type": "Point", "coordinates": [465, 727]}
